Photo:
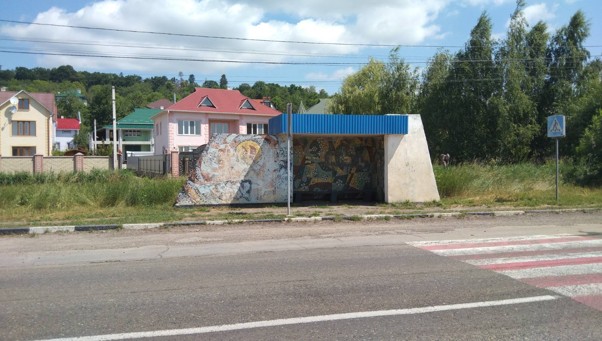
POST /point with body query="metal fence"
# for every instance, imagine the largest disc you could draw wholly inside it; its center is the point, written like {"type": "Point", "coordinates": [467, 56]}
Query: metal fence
{"type": "Point", "coordinates": [188, 160]}
{"type": "Point", "coordinates": [153, 165]}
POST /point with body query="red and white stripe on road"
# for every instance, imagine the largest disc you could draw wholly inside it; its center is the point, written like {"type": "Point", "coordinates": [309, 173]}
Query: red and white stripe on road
{"type": "Point", "coordinates": [566, 264]}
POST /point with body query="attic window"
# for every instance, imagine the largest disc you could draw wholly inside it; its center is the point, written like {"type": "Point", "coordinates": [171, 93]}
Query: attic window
{"type": "Point", "coordinates": [247, 105]}
{"type": "Point", "coordinates": [23, 104]}
{"type": "Point", "coordinates": [206, 102]}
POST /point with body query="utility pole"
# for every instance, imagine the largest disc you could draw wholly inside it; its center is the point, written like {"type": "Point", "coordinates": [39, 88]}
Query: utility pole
{"type": "Point", "coordinates": [115, 165]}
{"type": "Point", "coordinates": [289, 111]}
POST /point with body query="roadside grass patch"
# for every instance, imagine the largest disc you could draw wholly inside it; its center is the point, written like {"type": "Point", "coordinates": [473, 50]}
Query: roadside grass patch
{"type": "Point", "coordinates": [104, 197]}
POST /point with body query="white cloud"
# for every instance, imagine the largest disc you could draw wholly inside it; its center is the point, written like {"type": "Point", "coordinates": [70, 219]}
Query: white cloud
{"type": "Point", "coordinates": [385, 22]}
{"type": "Point", "coordinates": [483, 3]}
{"type": "Point", "coordinates": [535, 13]}
{"type": "Point", "coordinates": [334, 76]}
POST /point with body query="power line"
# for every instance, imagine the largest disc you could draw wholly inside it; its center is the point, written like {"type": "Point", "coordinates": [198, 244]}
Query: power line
{"type": "Point", "coordinates": [221, 37]}
{"type": "Point", "coordinates": [239, 38]}
{"type": "Point", "coordinates": [170, 48]}
{"type": "Point", "coordinates": [265, 62]}
{"type": "Point", "coordinates": [182, 59]}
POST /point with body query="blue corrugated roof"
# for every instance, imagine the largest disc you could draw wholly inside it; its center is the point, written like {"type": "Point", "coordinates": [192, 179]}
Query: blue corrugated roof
{"type": "Point", "coordinates": [323, 124]}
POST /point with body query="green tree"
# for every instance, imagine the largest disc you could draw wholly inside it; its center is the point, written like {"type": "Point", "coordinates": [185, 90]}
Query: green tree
{"type": "Point", "coordinates": [432, 102]}
{"type": "Point", "coordinates": [537, 70]}
{"type": "Point", "coordinates": [63, 73]}
{"type": "Point", "coordinates": [223, 82]}
{"type": "Point", "coordinates": [210, 84]}
{"type": "Point", "coordinates": [23, 73]}
{"type": "Point", "coordinates": [567, 58]}
{"type": "Point", "coordinates": [516, 111]}
{"type": "Point", "coordinates": [192, 80]}
{"type": "Point", "coordinates": [360, 92]}
{"type": "Point", "coordinates": [397, 93]}
{"type": "Point", "coordinates": [70, 105]}
{"type": "Point", "coordinates": [101, 107]}
{"type": "Point", "coordinates": [472, 83]}
{"type": "Point", "coordinates": [588, 165]}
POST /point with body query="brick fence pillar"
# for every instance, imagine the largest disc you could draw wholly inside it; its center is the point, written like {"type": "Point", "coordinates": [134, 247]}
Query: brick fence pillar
{"type": "Point", "coordinates": [38, 164]}
{"type": "Point", "coordinates": [175, 163]}
{"type": "Point", "coordinates": [78, 162]}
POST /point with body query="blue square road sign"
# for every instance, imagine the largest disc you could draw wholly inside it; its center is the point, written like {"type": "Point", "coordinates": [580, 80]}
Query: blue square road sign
{"type": "Point", "coordinates": [556, 126]}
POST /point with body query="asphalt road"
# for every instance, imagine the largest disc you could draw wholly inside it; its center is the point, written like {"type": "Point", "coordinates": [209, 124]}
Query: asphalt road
{"type": "Point", "coordinates": [288, 281]}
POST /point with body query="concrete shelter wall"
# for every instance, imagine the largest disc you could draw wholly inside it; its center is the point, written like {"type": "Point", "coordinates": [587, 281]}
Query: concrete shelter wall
{"type": "Point", "coordinates": [408, 169]}
{"type": "Point", "coordinates": [238, 169]}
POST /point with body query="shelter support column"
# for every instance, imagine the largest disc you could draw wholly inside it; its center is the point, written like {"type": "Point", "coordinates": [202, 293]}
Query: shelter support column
{"type": "Point", "coordinates": [408, 169]}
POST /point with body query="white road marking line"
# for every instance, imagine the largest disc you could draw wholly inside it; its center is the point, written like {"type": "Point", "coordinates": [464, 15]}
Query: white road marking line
{"type": "Point", "coordinates": [308, 319]}
{"type": "Point", "coordinates": [486, 240]}
{"type": "Point", "coordinates": [563, 270]}
{"type": "Point", "coordinates": [510, 260]}
{"type": "Point", "coordinates": [579, 290]}
{"type": "Point", "coordinates": [518, 248]}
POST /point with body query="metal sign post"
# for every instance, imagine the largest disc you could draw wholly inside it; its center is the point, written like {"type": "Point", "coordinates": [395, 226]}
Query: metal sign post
{"type": "Point", "coordinates": [556, 130]}
{"type": "Point", "coordinates": [289, 131]}
{"type": "Point", "coordinates": [557, 168]}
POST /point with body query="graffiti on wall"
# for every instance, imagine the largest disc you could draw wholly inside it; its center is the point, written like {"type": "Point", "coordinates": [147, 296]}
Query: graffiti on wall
{"type": "Point", "coordinates": [238, 169]}
{"type": "Point", "coordinates": [338, 164]}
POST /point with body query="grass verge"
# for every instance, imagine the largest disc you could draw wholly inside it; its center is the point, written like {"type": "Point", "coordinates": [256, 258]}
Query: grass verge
{"type": "Point", "coordinates": [122, 198]}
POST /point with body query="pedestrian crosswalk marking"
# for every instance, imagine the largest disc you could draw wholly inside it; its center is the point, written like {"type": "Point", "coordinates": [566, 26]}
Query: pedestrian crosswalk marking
{"type": "Point", "coordinates": [569, 265]}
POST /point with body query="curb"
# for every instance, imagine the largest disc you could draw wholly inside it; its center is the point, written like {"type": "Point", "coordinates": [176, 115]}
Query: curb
{"type": "Point", "coordinates": [366, 217]}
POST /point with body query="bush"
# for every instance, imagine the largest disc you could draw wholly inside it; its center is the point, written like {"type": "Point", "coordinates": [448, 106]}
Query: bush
{"type": "Point", "coordinates": [452, 181]}
{"type": "Point", "coordinates": [587, 167]}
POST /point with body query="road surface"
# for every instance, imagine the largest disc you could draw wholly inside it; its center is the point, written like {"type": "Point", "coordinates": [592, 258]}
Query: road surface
{"type": "Point", "coordinates": [534, 277]}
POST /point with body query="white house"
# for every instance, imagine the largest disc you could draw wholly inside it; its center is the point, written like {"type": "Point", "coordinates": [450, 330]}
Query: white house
{"type": "Point", "coordinates": [66, 130]}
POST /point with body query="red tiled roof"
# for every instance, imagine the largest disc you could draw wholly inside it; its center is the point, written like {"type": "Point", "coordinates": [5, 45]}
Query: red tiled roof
{"type": "Point", "coordinates": [225, 102]}
{"type": "Point", "coordinates": [67, 124]}
{"type": "Point", "coordinates": [46, 99]}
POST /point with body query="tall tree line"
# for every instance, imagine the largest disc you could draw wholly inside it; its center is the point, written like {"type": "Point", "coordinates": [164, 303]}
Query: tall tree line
{"type": "Point", "coordinates": [489, 100]}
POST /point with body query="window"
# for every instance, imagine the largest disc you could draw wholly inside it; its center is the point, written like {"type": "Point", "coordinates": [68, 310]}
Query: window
{"type": "Point", "coordinates": [186, 148]}
{"type": "Point", "coordinates": [24, 128]}
{"type": "Point", "coordinates": [206, 102]}
{"type": "Point", "coordinates": [189, 127]}
{"type": "Point", "coordinates": [247, 105]}
{"type": "Point", "coordinates": [23, 104]}
{"type": "Point", "coordinates": [219, 128]}
{"type": "Point", "coordinates": [131, 133]}
{"type": "Point", "coordinates": [257, 128]}
{"type": "Point", "coordinates": [24, 151]}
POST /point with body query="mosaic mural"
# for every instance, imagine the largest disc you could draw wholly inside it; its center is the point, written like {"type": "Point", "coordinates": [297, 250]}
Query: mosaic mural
{"type": "Point", "coordinates": [344, 165]}
{"type": "Point", "coordinates": [250, 169]}
{"type": "Point", "coordinates": [238, 169]}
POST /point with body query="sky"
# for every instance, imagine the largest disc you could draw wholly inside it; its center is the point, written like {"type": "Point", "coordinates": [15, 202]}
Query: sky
{"type": "Point", "coordinates": [307, 43]}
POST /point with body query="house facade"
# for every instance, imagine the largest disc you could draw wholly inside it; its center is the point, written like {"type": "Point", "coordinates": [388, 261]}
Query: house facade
{"type": "Point", "coordinates": [27, 123]}
{"type": "Point", "coordinates": [66, 130]}
{"type": "Point", "coordinates": [134, 132]}
{"type": "Point", "coordinates": [189, 123]}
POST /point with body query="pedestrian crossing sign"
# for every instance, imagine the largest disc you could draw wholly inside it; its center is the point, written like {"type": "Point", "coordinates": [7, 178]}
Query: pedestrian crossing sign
{"type": "Point", "coordinates": [556, 126]}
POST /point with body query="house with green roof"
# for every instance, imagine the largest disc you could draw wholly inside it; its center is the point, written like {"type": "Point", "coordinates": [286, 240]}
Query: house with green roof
{"type": "Point", "coordinates": [134, 132]}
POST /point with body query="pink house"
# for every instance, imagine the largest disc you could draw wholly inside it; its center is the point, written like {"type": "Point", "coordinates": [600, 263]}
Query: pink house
{"type": "Point", "coordinates": [189, 123]}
